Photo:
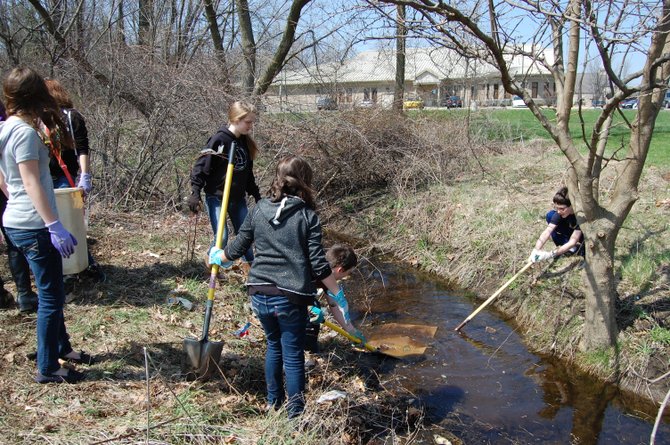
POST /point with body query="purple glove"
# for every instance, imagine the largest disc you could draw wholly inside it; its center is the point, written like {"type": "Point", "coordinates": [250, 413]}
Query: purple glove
{"type": "Point", "coordinates": [85, 183]}
{"type": "Point", "coordinates": [62, 240]}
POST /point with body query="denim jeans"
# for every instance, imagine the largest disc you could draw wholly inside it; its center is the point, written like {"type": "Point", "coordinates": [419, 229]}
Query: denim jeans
{"type": "Point", "coordinates": [47, 267]}
{"type": "Point", "coordinates": [284, 325]}
{"type": "Point", "coordinates": [237, 212]}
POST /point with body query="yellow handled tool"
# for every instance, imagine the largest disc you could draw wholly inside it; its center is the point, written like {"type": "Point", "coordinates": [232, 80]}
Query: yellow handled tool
{"type": "Point", "coordinates": [350, 337]}
{"type": "Point", "coordinates": [492, 297]}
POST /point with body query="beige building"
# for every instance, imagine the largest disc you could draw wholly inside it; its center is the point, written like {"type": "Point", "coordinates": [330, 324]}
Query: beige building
{"type": "Point", "coordinates": [432, 75]}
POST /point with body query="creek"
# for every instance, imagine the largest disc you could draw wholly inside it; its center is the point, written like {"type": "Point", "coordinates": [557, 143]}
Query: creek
{"type": "Point", "coordinates": [483, 384]}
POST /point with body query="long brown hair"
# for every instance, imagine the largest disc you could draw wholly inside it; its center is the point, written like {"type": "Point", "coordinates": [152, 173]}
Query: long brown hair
{"type": "Point", "coordinates": [59, 93]}
{"type": "Point", "coordinates": [27, 97]}
{"type": "Point", "coordinates": [293, 177]}
{"type": "Point", "coordinates": [237, 111]}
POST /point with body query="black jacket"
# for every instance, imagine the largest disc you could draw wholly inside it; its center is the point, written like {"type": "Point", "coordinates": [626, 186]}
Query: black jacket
{"type": "Point", "coordinates": [76, 126]}
{"type": "Point", "coordinates": [288, 250]}
{"type": "Point", "coordinates": [209, 171]}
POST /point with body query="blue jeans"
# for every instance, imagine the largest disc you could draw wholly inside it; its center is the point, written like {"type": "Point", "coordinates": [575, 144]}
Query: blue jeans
{"type": "Point", "coordinates": [237, 212]}
{"type": "Point", "coordinates": [284, 325]}
{"type": "Point", "coordinates": [47, 267]}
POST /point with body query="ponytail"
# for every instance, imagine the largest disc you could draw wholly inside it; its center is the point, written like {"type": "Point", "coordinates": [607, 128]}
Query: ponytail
{"type": "Point", "coordinates": [561, 197]}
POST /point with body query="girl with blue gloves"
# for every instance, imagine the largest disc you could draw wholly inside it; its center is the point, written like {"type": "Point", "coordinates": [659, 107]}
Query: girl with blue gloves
{"type": "Point", "coordinates": [31, 219]}
{"type": "Point", "coordinates": [289, 260]}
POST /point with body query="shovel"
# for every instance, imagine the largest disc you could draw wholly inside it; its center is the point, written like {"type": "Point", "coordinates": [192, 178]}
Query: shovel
{"type": "Point", "coordinates": [202, 354]}
{"type": "Point", "coordinates": [396, 346]}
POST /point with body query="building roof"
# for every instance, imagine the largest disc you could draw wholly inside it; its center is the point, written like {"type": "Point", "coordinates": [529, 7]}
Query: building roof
{"type": "Point", "coordinates": [422, 66]}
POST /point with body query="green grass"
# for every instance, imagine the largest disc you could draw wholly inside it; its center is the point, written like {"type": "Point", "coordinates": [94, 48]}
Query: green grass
{"type": "Point", "coordinates": [660, 335]}
{"type": "Point", "coordinates": [521, 124]}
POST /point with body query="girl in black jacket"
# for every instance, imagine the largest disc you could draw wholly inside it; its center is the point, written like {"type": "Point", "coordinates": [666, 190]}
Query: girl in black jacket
{"type": "Point", "coordinates": [209, 171]}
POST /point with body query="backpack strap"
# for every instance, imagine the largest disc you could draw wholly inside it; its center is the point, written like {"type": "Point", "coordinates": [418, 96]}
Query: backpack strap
{"type": "Point", "coordinates": [54, 148]}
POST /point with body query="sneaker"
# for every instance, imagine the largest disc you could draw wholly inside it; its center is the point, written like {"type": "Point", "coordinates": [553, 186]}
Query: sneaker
{"type": "Point", "coordinates": [95, 273]}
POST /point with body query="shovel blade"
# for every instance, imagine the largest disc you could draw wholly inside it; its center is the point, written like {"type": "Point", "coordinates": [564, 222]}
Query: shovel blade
{"type": "Point", "coordinates": [202, 357]}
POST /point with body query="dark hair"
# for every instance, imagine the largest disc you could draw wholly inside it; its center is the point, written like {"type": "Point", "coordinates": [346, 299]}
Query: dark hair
{"type": "Point", "coordinates": [293, 177]}
{"type": "Point", "coordinates": [341, 255]}
{"type": "Point", "coordinates": [561, 197]}
{"type": "Point", "coordinates": [27, 97]}
{"type": "Point", "coordinates": [3, 114]}
{"type": "Point", "coordinates": [58, 92]}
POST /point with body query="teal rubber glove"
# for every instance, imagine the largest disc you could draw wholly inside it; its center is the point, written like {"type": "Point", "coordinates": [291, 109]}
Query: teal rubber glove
{"type": "Point", "coordinates": [342, 304]}
{"type": "Point", "coordinates": [216, 256]}
{"type": "Point", "coordinates": [316, 315]}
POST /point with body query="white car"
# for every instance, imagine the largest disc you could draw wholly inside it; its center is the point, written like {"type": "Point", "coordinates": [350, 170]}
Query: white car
{"type": "Point", "coordinates": [517, 102]}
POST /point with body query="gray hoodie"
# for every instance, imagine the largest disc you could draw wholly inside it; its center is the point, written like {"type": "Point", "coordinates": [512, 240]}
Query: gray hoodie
{"type": "Point", "coordinates": [288, 250]}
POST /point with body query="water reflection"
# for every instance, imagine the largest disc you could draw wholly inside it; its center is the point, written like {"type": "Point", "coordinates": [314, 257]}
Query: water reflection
{"type": "Point", "coordinates": [484, 385]}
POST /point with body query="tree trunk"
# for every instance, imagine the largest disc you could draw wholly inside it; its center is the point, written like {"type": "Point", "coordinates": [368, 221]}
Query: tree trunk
{"type": "Point", "coordinates": [600, 327]}
{"type": "Point", "coordinates": [248, 45]}
{"type": "Point", "coordinates": [145, 15]}
{"type": "Point", "coordinates": [401, 35]}
{"type": "Point", "coordinates": [288, 38]}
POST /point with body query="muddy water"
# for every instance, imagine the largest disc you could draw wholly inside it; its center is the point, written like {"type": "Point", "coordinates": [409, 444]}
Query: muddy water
{"type": "Point", "coordinates": [485, 386]}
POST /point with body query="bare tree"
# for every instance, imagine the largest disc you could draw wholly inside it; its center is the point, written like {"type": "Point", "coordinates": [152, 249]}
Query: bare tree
{"type": "Point", "coordinates": [488, 31]}
{"type": "Point", "coordinates": [399, 92]}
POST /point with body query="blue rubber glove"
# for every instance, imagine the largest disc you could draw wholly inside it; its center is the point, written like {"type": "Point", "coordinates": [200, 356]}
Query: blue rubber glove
{"type": "Point", "coordinates": [342, 304]}
{"type": "Point", "coordinates": [316, 315]}
{"type": "Point", "coordinates": [62, 240]}
{"type": "Point", "coordinates": [216, 257]}
{"type": "Point", "coordinates": [85, 183]}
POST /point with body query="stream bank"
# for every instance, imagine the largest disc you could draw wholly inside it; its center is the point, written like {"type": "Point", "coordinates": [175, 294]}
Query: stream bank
{"type": "Point", "coordinates": [478, 230]}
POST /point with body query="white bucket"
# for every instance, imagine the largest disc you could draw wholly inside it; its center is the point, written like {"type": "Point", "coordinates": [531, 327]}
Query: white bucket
{"type": "Point", "coordinates": [70, 205]}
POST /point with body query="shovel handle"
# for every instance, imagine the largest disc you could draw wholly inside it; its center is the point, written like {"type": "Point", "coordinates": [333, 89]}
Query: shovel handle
{"type": "Point", "coordinates": [350, 337]}
{"type": "Point", "coordinates": [222, 217]}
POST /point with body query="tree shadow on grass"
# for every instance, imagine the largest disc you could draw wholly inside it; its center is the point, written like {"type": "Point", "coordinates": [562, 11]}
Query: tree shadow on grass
{"type": "Point", "coordinates": [141, 286]}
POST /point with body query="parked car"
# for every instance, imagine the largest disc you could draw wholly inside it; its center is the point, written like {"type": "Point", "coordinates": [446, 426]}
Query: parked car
{"type": "Point", "coordinates": [628, 103]}
{"type": "Point", "coordinates": [597, 103]}
{"type": "Point", "coordinates": [413, 104]}
{"type": "Point", "coordinates": [517, 102]}
{"type": "Point", "coordinates": [365, 103]}
{"type": "Point", "coordinates": [326, 103]}
{"type": "Point", "coordinates": [452, 102]}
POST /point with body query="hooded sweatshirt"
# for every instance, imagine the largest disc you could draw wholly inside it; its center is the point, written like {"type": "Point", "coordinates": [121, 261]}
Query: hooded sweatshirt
{"type": "Point", "coordinates": [19, 142]}
{"type": "Point", "coordinates": [289, 255]}
{"type": "Point", "coordinates": [209, 170]}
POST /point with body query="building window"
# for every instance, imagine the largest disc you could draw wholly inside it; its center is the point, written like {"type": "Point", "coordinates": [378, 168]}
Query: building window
{"type": "Point", "coordinates": [349, 92]}
{"type": "Point", "coordinates": [374, 95]}
{"type": "Point", "coordinates": [533, 92]}
{"type": "Point", "coordinates": [488, 88]}
{"type": "Point", "coordinates": [366, 94]}
{"type": "Point", "coordinates": [496, 91]}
